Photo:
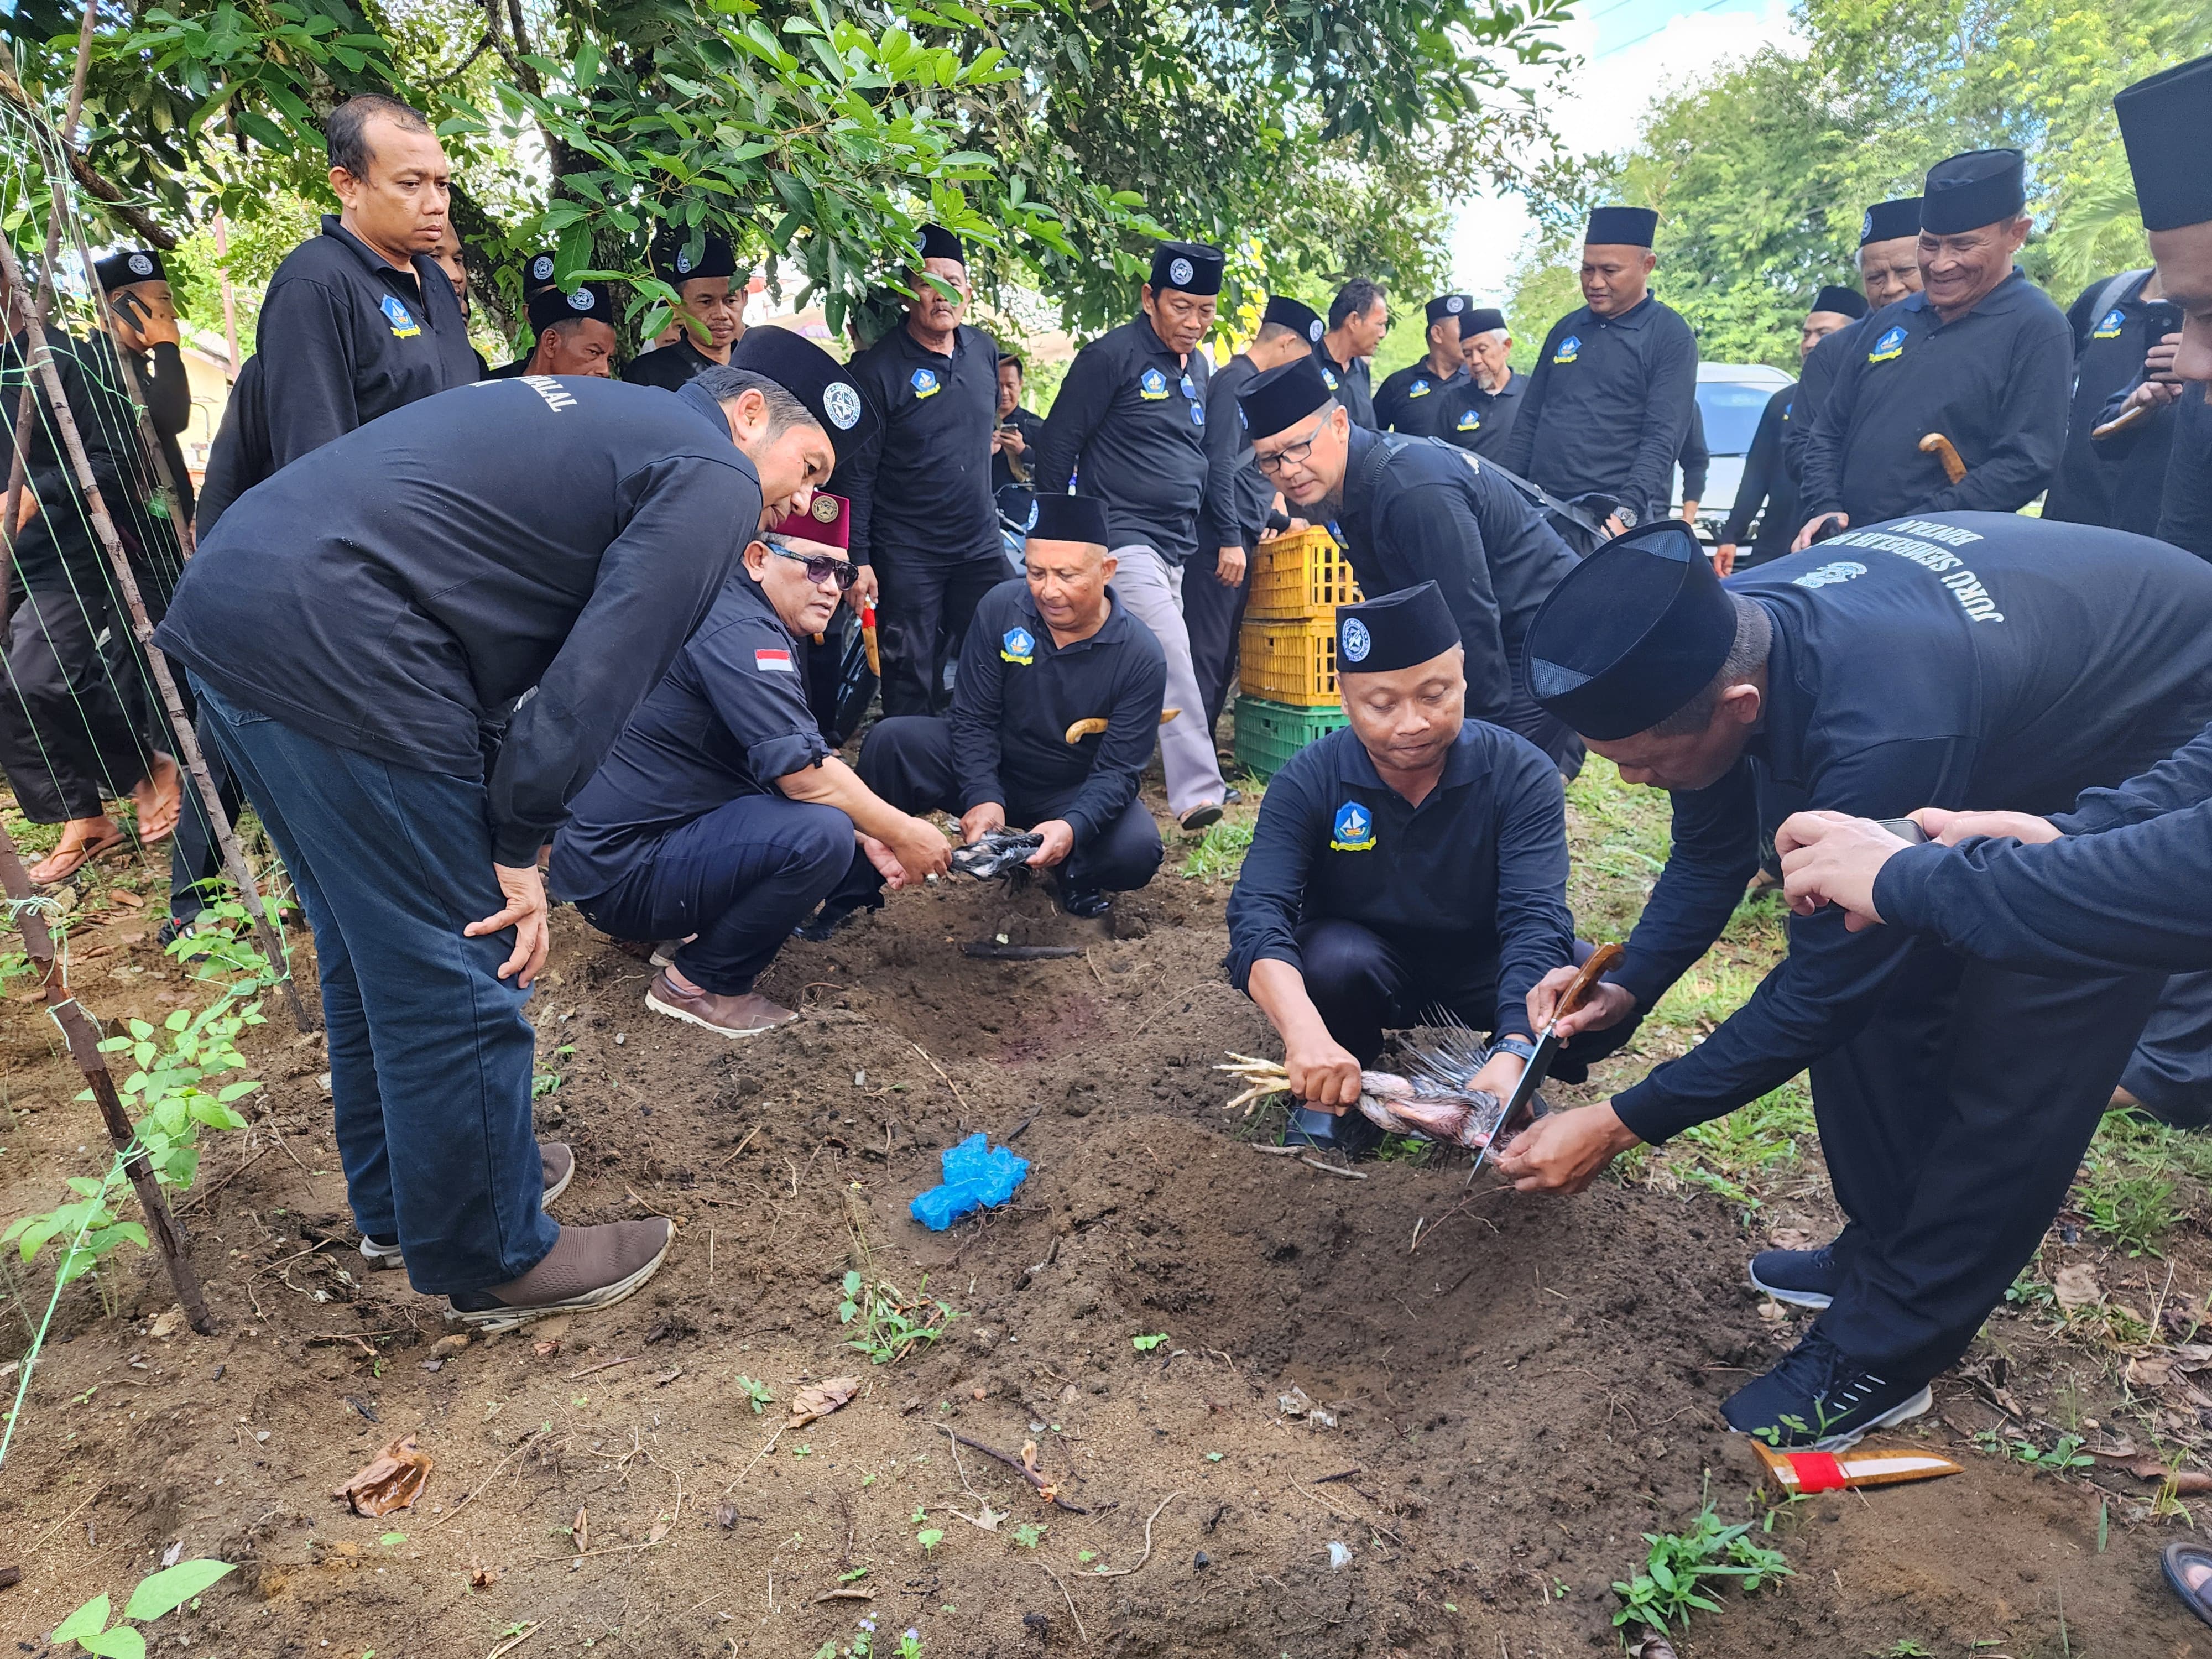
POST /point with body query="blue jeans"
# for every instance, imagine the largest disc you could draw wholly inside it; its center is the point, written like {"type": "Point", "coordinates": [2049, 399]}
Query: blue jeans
{"type": "Point", "coordinates": [430, 1056]}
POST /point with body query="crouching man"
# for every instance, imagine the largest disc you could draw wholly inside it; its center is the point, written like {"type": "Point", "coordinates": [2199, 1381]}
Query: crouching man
{"type": "Point", "coordinates": [1047, 655]}
{"type": "Point", "coordinates": [1416, 860]}
{"type": "Point", "coordinates": [721, 817]}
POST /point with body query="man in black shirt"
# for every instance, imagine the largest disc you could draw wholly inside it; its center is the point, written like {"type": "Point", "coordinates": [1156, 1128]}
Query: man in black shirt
{"type": "Point", "coordinates": [1889, 270]}
{"type": "Point", "coordinates": [1414, 860]}
{"type": "Point", "coordinates": [1020, 430]}
{"type": "Point", "coordinates": [924, 526]}
{"type": "Point", "coordinates": [1048, 650]}
{"type": "Point", "coordinates": [721, 817]}
{"type": "Point", "coordinates": [2118, 323]}
{"type": "Point", "coordinates": [576, 334]}
{"type": "Point", "coordinates": [1131, 417]}
{"type": "Point", "coordinates": [1766, 482]}
{"type": "Point", "coordinates": [1478, 414]}
{"type": "Point", "coordinates": [710, 307]}
{"type": "Point", "coordinates": [1409, 400]}
{"type": "Point", "coordinates": [1980, 356]}
{"type": "Point", "coordinates": [1358, 318]}
{"type": "Point", "coordinates": [350, 626]}
{"type": "Point", "coordinates": [1605, 413]}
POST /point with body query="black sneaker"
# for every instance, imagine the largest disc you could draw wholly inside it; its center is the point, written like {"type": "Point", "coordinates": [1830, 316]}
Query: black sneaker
{"type": "Point", "coordinates": [1351, 1134]}
{"type": "Point", "coordinates": [1819, 1397]}
{"type": "Point", "coordinates": [1087, 902]}
{"type": "Point", "coordinates": [1803, 1278]}
{"type": "Point", "coordinates": [1232, 797]}
{"type": "Point", "coordinates": [824, 923]}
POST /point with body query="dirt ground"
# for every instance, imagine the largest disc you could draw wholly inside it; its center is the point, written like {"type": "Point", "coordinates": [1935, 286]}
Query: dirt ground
{"type": "Point", "coordinates": [1518, 1396]}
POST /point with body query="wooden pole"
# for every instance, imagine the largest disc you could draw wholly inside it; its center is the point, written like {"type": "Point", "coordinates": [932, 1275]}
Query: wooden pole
{"type": "Point", "coordinates": [229, 298]}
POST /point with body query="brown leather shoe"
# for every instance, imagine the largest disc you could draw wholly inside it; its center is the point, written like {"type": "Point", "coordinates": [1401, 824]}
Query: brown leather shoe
{"type": "Point", "coordinates": [588, 1267]}
{"type": "Point", "coordinates": [733, 1017]}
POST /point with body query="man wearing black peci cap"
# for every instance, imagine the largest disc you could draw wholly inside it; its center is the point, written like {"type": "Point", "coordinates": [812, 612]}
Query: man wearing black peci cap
{"type": "Point", "coordinates": [1051, 648]}
{"type": "Point", "coordinates": [1214, 586]}
{"type": "Point", "coordinates": [1766, 482]}
{"type": "Point", "coordinates": [2123, 337]}
{"type": "Point", "coordinates": [701, 266]}
{"type": "Point", "coordinates": [1414, 860]}
{"type": "Point", "coordinates": [1606, 411]}
{"type": "Point", "coordinates": [1358, 318]}
{"type": "Point", "coordinates": [1413, 510]}
{"type": "Point", "coordinates": [925, 527]}
{"type": "Point", "coordinates": [1979, 357]}
{"type": "Point", "coordinates": [576, 334]}
{"type": "Point", "coordinates": [1408, 401]}
{"type": "Point", "coordinates": [1479, 412]}
{"type": "Point", "coordinates": [536, 273]}
{"type": "Point", "coordinates": [1962, 660]}
{"type": "Point", "coordinates": [143, 312]}
{"type": "Point", "coordinates": [1889, 270]}
{"type": "Point", "coordinates": [1131, 418]}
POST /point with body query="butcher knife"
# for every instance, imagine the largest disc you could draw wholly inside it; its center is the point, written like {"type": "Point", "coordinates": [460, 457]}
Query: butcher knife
{"type": "Point", "coordinates": [1517, 1115]}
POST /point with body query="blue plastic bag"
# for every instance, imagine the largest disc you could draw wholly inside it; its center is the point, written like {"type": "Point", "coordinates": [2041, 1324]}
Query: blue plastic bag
{"type": "Point", "coordinates": [977, 1175]}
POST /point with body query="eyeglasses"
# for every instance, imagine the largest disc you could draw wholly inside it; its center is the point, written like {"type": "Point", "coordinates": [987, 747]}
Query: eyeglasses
{"type": "Point", "coordinates": [1291, 454]}
{"type": "Point", "coordinates": [820, 567]}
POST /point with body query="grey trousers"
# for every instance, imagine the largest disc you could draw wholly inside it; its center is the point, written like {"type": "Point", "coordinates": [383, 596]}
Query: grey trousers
{"type": "Point", "coordinates": [1152, 588]}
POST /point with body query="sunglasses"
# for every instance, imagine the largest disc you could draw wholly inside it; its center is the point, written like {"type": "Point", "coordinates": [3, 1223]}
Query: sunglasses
{"type": "Point", "coordinates": [820, 567]}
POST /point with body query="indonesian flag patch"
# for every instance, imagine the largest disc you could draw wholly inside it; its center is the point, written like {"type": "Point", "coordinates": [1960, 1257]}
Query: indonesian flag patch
{"type": "Point", "coordinates": [774, 662]}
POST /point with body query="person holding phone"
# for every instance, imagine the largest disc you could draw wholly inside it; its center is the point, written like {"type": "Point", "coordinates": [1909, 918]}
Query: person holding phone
{"type": "Point", "coordinates": [2120, 323]}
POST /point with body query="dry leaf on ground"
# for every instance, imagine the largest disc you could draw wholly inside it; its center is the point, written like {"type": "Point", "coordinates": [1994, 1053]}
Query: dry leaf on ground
{"type": "Point", "coordinates": [2150, 1371]}
{"type": "Point", "coordinates": [820, 1399]}
{"type": "Point", "coordinates": [2077, 1287]}
{"type": "Point", "coordinates": [390, 1480]}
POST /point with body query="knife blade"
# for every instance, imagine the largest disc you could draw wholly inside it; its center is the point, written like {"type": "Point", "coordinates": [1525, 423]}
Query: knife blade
{"type": "Point", "coordinates": [1516, 1115]}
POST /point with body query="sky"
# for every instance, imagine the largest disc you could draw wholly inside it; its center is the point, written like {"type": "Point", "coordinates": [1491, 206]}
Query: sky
{"type": "Point", "coordinates": [1631, 51]}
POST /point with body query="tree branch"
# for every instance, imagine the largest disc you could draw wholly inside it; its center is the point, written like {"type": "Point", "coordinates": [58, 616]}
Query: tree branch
{"type": "Point", "coordinates": [111, 195]}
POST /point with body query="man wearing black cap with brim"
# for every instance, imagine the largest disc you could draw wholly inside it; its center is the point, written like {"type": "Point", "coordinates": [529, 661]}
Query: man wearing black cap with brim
{"type": "Point", "coordinates": [1131, 418]}
{"type": "Point", "coordinates": [1478, 414]}
{"type": "Point", "coordinates": [701, 266]}
{"type": "Point", "coordinates": [1414, 860]}
{"type": "Point", "coordinates": [1050, 648]}
{"type": "Point", "coordinates": [351, 626]}
{"type": "Point", "coordinates": [1413, 510]}
{"type": "Point", "coordinates": [576, 334]}
{"type": "Point", "coordinates": [1609, 404]}
{"type": "Point", "coordinates": [1968, 659]}
{"type": "Point", "coordinates": [1888, 259]}
{"type": "Point", "coordinates": [1409, 400]}
{"type": "Point", "coordinates": [1214, 587]}
{"type": "Point", "coordinates": [1979, 357]}
{"type": "Point", "coordinates": [925, 527]}
{"type": "Point", "coordinates": [1766, 482]}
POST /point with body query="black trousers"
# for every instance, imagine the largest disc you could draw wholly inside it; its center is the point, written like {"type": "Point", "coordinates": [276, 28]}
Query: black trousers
{"type": "Point", "coordinates": [2171, 1070]}
{"type": "Point", "coordinates": [923, 607]}
{"type": "Point", "coordinates": [1547, 730]}
{"type": "Point", "coordinates": [1952, 1124]}
{"type": "Point", "coordinates": [1361, 985]}
{"type": "Point", "coordinates": [909, 761]}
{"type": "Point", "coordinates": [1214, 614]}
{"type": "Point", "coordinates": [195, 854]}
{"type": "Point", "coordinates": [67, 744]}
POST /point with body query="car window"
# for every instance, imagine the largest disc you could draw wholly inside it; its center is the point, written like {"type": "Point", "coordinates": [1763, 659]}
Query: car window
{"type": "Point", "coordinates": [1731, 409]}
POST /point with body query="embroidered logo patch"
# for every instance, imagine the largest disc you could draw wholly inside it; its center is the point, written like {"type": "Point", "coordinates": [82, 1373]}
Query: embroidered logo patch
{"type": "Point", "coordinates": [925, 383]}
{"type": "Point", "coordinates": [1030, 522]}
{"type": "Point", "coordinates": [2109, 324]}
{"type": "Point", "coordinates": [403, 325]}
{"type": "Point", "coordinates": [1828, 575]}
{"type": "Point", "coordinates": [141, 265]}
{"type": "Point", "coordinates": [1357, 643]}
{"type": "Point", "coordinates": [1891, 345]}
{"type": "Point", "coordinates": [840, 402]}
{"type": "Point", "coordinates": [1353, 830]}
{"type": "Point", "coordinates": [772, 661]}
{"type": "Point", "coordinates": [1018, 646]}
{"type": "Point", "coordinates": [1455, 305]}
{"type": "Point", "coordinates": [1329, 375]}
{"type": "Point", "coordinates": [1180, 271]}
{"type": "Point", "coordinates": [1569, 348]}
{"type": "Point", "coordinates": [1152, 385]}
{"type": "Point", "coordinates": [582, 299]}
{"type": "Point", "coordinates": [1315, 331]}
{"type": "Point", "coordinates": [1468, 421]}
{"type": "Point", "coordinates": [825, 509]}
{"type": "Point", "coordinates": [1866, 225]}
{"type": "Point", "coordinates": [1418, 389]}
{"type": "Point", "coordinates": [541, 268]}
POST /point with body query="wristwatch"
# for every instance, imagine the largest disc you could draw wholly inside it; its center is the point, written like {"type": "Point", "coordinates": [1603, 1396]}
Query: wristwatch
{"type": "Point", "coordinates": [1627, 516]}
{"type": "Point", "coordinates": [1520, 1047]}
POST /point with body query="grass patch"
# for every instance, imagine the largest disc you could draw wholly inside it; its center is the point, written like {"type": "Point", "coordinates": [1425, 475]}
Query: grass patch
{"type": "Point", "coordinates": [1219, 854]}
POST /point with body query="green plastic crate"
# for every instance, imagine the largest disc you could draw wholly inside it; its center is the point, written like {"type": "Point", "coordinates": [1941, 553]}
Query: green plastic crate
{"type": "Point", "coordinates": [1269, 733]}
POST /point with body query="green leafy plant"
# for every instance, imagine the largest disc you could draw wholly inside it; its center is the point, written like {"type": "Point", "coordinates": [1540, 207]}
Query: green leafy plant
{"type": "Point", "coordinates": [757, 1393]}
{"type": "Point", "coordinates": [1682, 1567]}
{"type": "Point", "coordinates": [157, 1594]}
{"type": "Point", "coordinates": [1146, 1344]}
{"type": "Point", "coordinates": [544, 1084]}
{"type": "Point", "coordinates": [1029, 1535]}
{"type": "Point", "coordinates": [2066, 1454]}
{"type": "Point", "coordinates": [891, 1323]}
{"type": "Point", "coordinates": [929, 1538]}
{"type": "Point", "coordinates": [1219, 854]}
{"type": "Point", "coordinates": [2136, 1209]}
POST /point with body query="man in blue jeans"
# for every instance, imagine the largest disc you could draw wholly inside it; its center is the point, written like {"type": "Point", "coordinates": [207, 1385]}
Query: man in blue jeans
{"type": "Point", "coordinates": [352, 624]}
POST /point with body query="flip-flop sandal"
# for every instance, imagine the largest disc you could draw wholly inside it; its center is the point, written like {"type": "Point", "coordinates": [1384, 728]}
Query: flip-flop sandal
{"type": "Point", "coordinates": [80, 855]}
{"type": "Point", "coordinates": [159, 823]}
{"type": "Point", "coordinates": [2177, 1558]}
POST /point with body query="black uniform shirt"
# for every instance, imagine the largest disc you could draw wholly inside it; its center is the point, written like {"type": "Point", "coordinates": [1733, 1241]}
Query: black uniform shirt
{"type": "Point", "coordinates": [1973, 659]}
{"type": "Point", "coordinates": [391, 591]}
{"type": "Point", "coordinates": [1478, 420]}
{"type": "Point", "coordinates": [240, 457]}
{"type": "Point", "coordinates": [728, 719]}
{"type": "Point", "coordinates": [1417, 510]}
{"type": "Point", "coordinates": [161, 377]}
{"type": "Point", "coordinates": [924, 490]}
{"type": "Point", "coordinates": [1994, 382]}
{"type": "Point", "coordinates": [2137, 464]}
{"type": "Point", "coordinates": [1017, 693]}
{"type": "Point", "coordinates": [1816, 377]}
{"type": "Point", "coordinates": [1608, 407]}
{"type": "Point", "coordinates": [1697, 458]}
{"type": "Point", "coordinates": [1408, 400]}
{"type": "Point", "coordinates": [57, 549]}
{"type": "Point", "coordinates": [1131, 419]}
{"type": "Point", "coordinates": [350, 337]}
{"type": "Point", "coordinates": [668, 367]}
{"type": "Point", "coordinates": [2186, 506]}
{"type": "Point", "coordinates": [2099, 482]}
{"type": "Point", "coordinates": [1351, 384]}
{"type": "Point", "coordinates": [1766, 480]}
{"type": "Point", "coordinates": [1030, 425]}
{"type": "Point", "coordinates": [1474, 876]}
{"type": "Point", "coordinates": [1247, 496]}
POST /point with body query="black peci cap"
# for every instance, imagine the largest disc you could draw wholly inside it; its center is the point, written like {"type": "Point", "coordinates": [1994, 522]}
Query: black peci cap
{"type": "Point", "coordinates": [815, 378]}
{"type": "Point", "coordinates": [1890, 222]}
{"type": "Point", "coordinates": [536, 272]}
{"type": "Point", "coordinates": [678, 258]}
{"type": "Point", "coordinates": [1284, 396]}
{"type": "Point", "coordinates": [1981, 187]}
{"type": "Point", "coordinates": [1622, 226]}
{"type": "Point", "coordinates": [1631, 633]}
{"type": "Point", "coordinates": [1068, 519]}
{"type": "Point", "coordinates": [133, 264]}
{"type": "Point", "coordinates": [1302, 319]}
{"type": "Point", "coordinates": [1449, 304]}
{"type": "Point", "coordinates": [1480, 320]}
{"type": "Point", "coordinates": [2163, 121]}
{"type": "Point", "coordinates": [550, 306]}
{"type": "Point", "coordinates": [1843, 302]}
{"type": "Point", "coordinates": [1396, 630]}
{"type": "Point", "coordinates": [938, 243]}
{"type": "Point", "coordinates": [1194, 267]}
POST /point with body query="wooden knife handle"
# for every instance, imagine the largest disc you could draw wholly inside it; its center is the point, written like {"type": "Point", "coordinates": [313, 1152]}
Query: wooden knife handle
{"type": "Point", "coordinates": [1570, 999]}
{"type": "Point", "coordinates": [1945, 450]}
{"type": "Point", "coordinates": [2128, 418]}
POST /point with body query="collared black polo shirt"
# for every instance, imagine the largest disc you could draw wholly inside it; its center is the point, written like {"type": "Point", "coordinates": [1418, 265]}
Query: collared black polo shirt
{"type": "Point", "coordinates": [923, 491]}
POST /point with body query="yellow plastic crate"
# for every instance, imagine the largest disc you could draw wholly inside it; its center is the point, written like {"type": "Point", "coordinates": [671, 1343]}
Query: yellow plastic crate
{"type": "Point", "coordinates": [1305, 575]}
{"type": "Point", "coordinates": [1289, 660]}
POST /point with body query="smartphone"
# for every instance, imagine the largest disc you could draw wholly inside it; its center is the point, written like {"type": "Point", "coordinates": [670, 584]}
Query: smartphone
{"type": "Point", "coordinates": [1905, 829]}
{"type": "Point", "coordinates": [2160, 319]}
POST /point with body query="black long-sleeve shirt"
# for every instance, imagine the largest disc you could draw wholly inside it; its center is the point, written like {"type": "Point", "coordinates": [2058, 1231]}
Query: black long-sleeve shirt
{"type": "Point", "coordinates": [1481, 420]}
{"type": "Point", "coordinates": [1417, 510]}
{"type": "Point", "coordinates": [1018, 691]}
{"type": "Point", "coordinates": [240, 457]}
{"type": "Point", "coordinates": [1968, 659]}
{"type": "Point", "coordinates": [1608, 407]}
{"type": "Point", "coordinates": [1410, 401]}
{"type": "Point", "coordinates": [388, 592]}
{"type": "Point", "coordinates": [161, 377]}
{"type": "Point", "coordinates": [2116, 482]}
{"type": "Point", "coordinates": [1993, 381]}
{"type": "Point", "coordinates": [1030, 425]}
{"type": "Point", "coordinates": [1131, 418]}
{"type": "Point", "coordinates": [58, 549]}
{"type": "Point", "coordinates": [1816, 377]}
{"type": "Point", "coordinates": [1766, 482]}
{"type": "Point", "coordinates": [1238, 510]}
{"type": "Point", "coordinates": [667, 366]}
{"type": "Point", "coordinates": [1474, 876]}
{"type": "Point", "coordinates": [2184, 516]}
{"type": "Point", "coordinates": [922, 493]}
{"type": "Point", "coordinates": [1697, 459]}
